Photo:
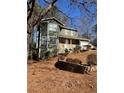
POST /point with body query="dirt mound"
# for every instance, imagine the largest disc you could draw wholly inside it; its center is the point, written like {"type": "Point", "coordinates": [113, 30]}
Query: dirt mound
{"type": "Point", "coordinates": [44, 77]}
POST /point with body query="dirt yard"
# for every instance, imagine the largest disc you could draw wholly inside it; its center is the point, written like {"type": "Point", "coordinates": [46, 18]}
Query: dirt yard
{"type": "Point", "coordinates": [43, 77]}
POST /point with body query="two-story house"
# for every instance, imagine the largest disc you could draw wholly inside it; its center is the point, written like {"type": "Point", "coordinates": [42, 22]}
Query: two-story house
{"type": "Point", "coordinates": [55, 37]}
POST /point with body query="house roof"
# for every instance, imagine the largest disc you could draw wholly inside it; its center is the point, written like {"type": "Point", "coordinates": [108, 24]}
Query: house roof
{"type": "Point", "coordinates": [53, 18]}
{"type": "Point", "coordinates": [62, 25]}
{"type": "Point", "coordinates": [72, 37]}
{"type": "Point", "coordinates": [69, 28]}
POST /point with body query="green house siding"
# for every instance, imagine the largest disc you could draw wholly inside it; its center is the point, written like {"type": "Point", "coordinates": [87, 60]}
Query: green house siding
{"type": "Point", "coordinates": [68, 32]}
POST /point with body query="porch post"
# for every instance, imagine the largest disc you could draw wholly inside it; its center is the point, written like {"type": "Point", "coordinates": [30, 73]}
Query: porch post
{"type": "Point", "coordinates": [70, 41]}
{"type": "Point", "coordinates": [66, 42]}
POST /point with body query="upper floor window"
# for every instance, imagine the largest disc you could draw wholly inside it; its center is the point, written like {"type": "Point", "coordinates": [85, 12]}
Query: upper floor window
{"type": "Point", "coordinates": [52, 27]}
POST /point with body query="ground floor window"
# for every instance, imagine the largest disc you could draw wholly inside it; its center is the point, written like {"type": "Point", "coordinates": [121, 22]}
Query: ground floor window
{"type": "Point", "coordinates": [62, 40]}
{"type": "Point", "coordinates": [53, 40]}
{"type": "Point", "coordinates": [74, 41]}
{"type": "Point", "coordinates": [69, 41]}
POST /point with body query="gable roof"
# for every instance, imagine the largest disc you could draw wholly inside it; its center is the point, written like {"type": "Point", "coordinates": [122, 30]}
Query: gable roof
{"type": "Point", "coordinates": [69, 28]}
{"type": "Point", "coordinates": [53, 18]}
{"type": "Point", "coordinates": [62, 25]}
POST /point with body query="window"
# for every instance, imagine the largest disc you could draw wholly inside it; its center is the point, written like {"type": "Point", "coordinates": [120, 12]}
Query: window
{"type": "Point", "coordinates": [52, 27]}
{"type": "Point", "coordinates": [62, 40]}
{"type": "Point", "coordinates": [53, 40]}
{"type": "Point", "coordinates": [52, 33]}
{"type": "Point", "coordinates": [43, 42]}
{"type": "Point", "coordinates": [74, 41]}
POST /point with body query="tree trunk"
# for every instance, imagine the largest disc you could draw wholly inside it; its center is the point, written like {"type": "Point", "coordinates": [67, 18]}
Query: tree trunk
{"type": "Point", "coordinates": [31, 23]}
{"type": "Point", "coordinates": [29, 51]}
{"type": "Point", "coordinates": [29, 41]}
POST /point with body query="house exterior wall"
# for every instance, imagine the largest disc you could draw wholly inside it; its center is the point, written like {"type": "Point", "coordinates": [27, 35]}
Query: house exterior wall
{"type": "Point", "coordinates": [52, 37]}
{"type": "Point", "coordinates": [68, 46]}
{"type": "Point", "coordinates": [49, 37]}
{"type": "Point", "coordinates": [68, 32]}
{"type": "Point", "coordinates": [83, 43]}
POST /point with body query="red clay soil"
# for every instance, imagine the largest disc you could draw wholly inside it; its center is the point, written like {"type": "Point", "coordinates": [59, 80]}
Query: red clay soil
{"type": "Point", "coordinates": [43, 77]}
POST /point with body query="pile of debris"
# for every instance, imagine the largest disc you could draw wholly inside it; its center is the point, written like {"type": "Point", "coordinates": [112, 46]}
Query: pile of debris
{"type": "Point", "coordinates": [75, 65]}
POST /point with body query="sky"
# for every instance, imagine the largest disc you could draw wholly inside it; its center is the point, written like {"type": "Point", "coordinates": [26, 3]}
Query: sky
{"type": "Point", "coordinates": [79, 19]}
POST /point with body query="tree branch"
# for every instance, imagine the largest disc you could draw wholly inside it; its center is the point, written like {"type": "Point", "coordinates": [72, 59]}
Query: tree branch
{"type": "Point", "coordinates": [44, 12]}
{"type": "Point", "coordinates": [30, 9]}
{"type": "Point", "coordinates": [63, 13]}
{"type": "Point", "coordinates": [46, 1]}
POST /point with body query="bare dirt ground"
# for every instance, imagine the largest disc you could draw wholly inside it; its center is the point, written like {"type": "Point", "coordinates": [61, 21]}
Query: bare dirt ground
{"type": "Point", "coordinates": [43, 77]}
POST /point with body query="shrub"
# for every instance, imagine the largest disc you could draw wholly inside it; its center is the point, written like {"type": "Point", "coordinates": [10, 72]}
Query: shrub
{"type": "Point", "coordinates": [69, 60]}
{"type": "Point", "coordinates": [61, 57]}
{"type": "Point", "coordinates": [75, 61]}
{"type": "Point", "coordinates": [92, 59]}
{"type": "Point", "coordinates": [47, 54]}
{"type": "Point", "coordinates": [77, 49]}
{"type": "Point", "coordinates": [35, 55]}
{"type": "Point", "coordinates": [66, 50]}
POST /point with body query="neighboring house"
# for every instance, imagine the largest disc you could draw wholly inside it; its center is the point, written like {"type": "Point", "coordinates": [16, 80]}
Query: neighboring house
{"type": "Point", "coordinates": [55, 37]}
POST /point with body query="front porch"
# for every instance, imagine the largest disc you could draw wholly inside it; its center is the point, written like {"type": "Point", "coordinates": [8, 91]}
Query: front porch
{"type": "Point", "coordinates": [67, 43]}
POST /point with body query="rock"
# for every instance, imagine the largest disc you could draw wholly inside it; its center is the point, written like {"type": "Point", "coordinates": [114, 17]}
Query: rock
{"type": "Point", "coordinates": [91, 86]}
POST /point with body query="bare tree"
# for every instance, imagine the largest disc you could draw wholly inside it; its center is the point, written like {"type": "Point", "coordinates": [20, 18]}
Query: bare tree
{"type": "Point", "coordinates": [31, 23]}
